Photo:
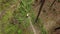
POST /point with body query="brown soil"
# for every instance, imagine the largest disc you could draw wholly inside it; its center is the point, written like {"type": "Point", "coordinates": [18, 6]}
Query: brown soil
{"type": "Point", "coordinates": [49, 16]}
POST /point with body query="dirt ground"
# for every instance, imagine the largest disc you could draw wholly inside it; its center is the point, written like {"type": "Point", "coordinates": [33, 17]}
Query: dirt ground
{"type": "Point", "coordinates": [49, 15]}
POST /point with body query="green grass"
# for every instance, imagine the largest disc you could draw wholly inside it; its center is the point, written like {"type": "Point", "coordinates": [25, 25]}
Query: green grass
{"type": "Point", "coordinates": [20, 15]}
{"type": "Point", "coordinates": [5, 4]}
{"type": "Point", "coordinates": [25, 6]}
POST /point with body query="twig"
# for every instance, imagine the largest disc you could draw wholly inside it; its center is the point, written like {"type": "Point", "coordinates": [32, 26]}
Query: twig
{"type": "Point", "coordinates": [52, 4]}
{"type": "Point", "coordinates": [31, 25]}
{"type": "Point", "coordinates": [42, 3]}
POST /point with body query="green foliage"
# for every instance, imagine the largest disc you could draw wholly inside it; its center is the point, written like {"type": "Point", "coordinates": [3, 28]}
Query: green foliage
{"type": "Point", "coordinates": [11, 29]}
{"type": "Point", "coordinates": [25, 7]}
{"type": "Point", "coordinates": [19, 31]}
{"type": "Point", "coordinates": [6, 16]}
{"type": "Point", "coordinates": [5, 4]}
{"type": "Point", "coordinates": [19, 15]}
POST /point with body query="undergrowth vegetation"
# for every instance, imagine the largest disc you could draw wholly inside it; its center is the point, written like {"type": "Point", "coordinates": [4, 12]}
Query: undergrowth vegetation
{"type": "Point", "coordinates": [19, 14]}
{"type": "Point", "coordinates": [15, 21]}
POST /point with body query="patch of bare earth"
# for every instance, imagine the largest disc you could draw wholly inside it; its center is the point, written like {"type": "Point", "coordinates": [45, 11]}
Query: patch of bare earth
{"type": "Point", "coordinates": [49, 16]}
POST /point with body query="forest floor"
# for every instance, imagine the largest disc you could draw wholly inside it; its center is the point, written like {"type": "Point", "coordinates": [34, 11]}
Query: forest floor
{"type": "Point", "coordinates": [50, 15]}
